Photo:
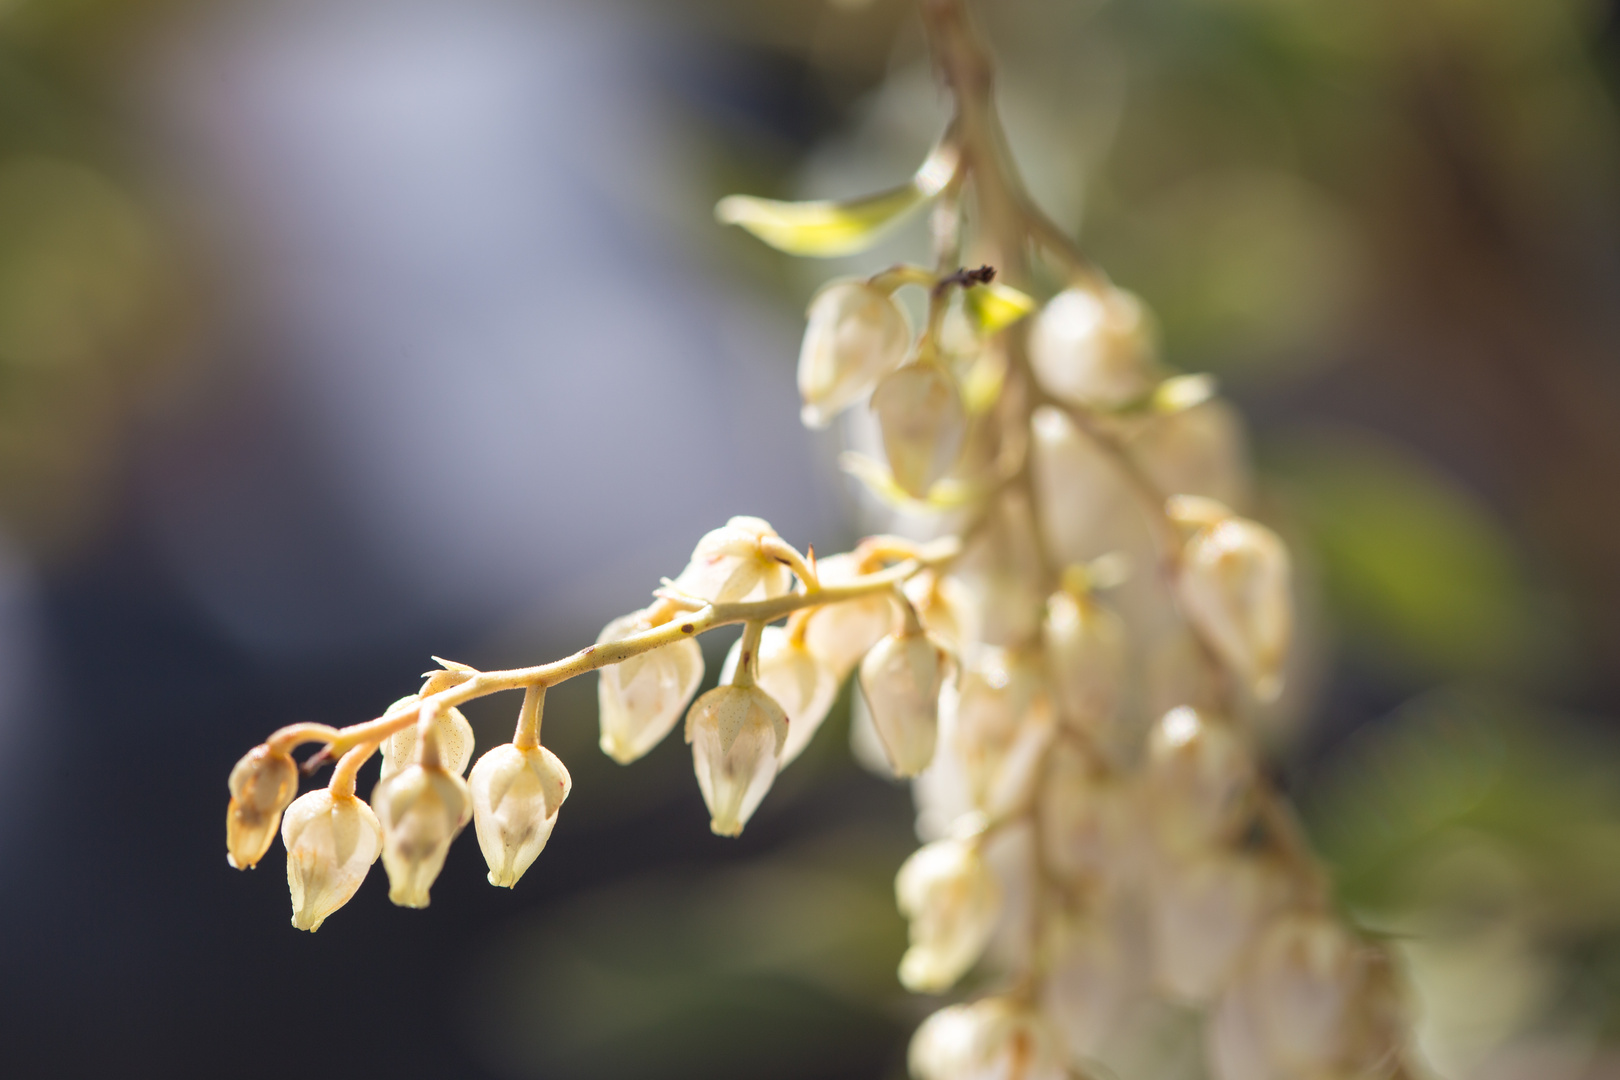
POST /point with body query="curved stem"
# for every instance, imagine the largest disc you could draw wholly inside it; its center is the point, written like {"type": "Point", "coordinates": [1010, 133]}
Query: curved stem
{"type": "Point", "coordinates": [348, 767]}
{"type": "Point", "coordinates": [527, 735]}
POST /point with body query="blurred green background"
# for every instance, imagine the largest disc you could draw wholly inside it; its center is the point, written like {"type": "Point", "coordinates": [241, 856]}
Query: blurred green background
{"type": "Point", "coordinates": [337, 334]}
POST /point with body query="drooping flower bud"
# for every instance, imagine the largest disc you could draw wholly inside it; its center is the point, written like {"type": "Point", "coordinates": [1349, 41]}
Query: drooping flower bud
{"type": "Point", "coordinates": [1307, 977]}
{"type": "Point", "coordinates": [1085, 653]}
{"type": "Point", "coordinates": [1205, 912]}
{"type": "Point", "coordinates": [1002, 590]}
{"type": "Point", "coordinates": [1093, 347]}
{"type": "Point", "coordinates": [856, 334]}
{"type": "Point", "coordinates": [422, 808]}
{"type": "Point", "coordinates": [1200, 779]}
{"type": "Point", "coordinates": [640, 699]}
{"type": "Point", "coordinates": [1081, 493]}
{"type": "Point", "coordinates": [332, 840]}
{"type": "Point", "coordinates": [795, 680]}
{"type": "Point", "coordinates": [952, 902]}
{"type": "Point", "coordinates": [901, 678]}
{"type": "Point", "coordinates": [1000, 722]}
{"type": "Point", "coordinates": [451, 731]}
{"type": "Point", "coordinates": [1196, 451]}
{"type": "Point", "coordinates": [737, 735]}
{"type": "Point", "coordinates": [989, 1039]}
{"type": "Point", "coordinates": [516, 793]}
{"type": "Point", "coordinates": [262, 784]}
{"type": "Point", "coordinates": [1234, 585]}
{"type": "Point", "coordinates": [1098, 970]}
{"type": "Point", "coordinates": [1086, 819]}
{"type": "Point", "coordinates": [923, 422]}
{"type": "Point", "coordinates": [840, 634]}
{"type": "Point", "coordinates": [729, 565]}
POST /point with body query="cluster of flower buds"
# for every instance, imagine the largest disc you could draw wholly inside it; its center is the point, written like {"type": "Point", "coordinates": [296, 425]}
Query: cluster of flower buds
{"type": "Point", "coordinates": [1068, 673]}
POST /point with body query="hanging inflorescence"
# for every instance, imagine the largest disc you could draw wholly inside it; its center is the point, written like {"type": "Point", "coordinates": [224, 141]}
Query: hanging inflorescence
{"type": "Point", "coordinates": [1091, 567]}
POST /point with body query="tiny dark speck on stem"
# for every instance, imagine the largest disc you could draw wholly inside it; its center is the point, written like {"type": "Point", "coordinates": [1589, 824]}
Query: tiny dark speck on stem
{"type": "Point", "coordinates": [686, 628]}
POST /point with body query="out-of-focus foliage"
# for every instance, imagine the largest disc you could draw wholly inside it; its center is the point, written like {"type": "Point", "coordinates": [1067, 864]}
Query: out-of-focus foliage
{"type": "Point", "coordinates": [88, 290]}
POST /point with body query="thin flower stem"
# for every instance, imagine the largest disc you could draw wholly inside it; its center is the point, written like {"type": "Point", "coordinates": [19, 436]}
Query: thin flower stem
{"type": "Point", "coordinates": [527, 735]}
{"type": "Point", "coordinates": [710, 617]}
{"type": "Point", "coordinates": [348, 767]}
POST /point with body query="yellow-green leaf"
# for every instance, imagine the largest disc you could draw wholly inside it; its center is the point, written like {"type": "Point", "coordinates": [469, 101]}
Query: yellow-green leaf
{"type": "Point", "coordinates": [946, 494]}
{"type": "Point", "coordinates": [995, 306]}
{"type": "Point", "coordinates": [825, 228]}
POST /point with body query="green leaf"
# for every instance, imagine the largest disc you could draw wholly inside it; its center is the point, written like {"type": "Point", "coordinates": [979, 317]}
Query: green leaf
{"type": "Point", "coordinates": [825, 228]}
{"type": "Point", "coordinates": [995, 306]}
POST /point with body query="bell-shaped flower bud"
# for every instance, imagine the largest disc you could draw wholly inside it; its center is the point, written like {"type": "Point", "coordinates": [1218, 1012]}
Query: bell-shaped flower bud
{"type": "Point", "coordinates": [1234, 586]}
{"type": "Point", "coordinates": [795, 680]}
{"type": "Point", "coordinates": [840, 634]}
{"type": "Point", "coordinates": [989, 1039]}
{"type": "Point", "coordinates": [451, 731]}
{"type": "Point", "coordinates": [1002, 590]}
{"type": "Point", "coordinates": [516, 793]}
{"type": "Point", "coordinates": [1205, 913]}
{"type": "Point", "coordinates": [952, 902]}
{"type": "Point", "coordinates": [1093, 347]}
{"type": "Point", "coordinates": [640, 699]}
{"type": "Point", "coordinates": [262, 784]}
{"type": "Point", "coordinates": [1307, 978]}
{"type": "Point", "coordinates": [857, 334]}
{"type": "Point", "coordinates": [1088, 829]}
{"type": "Point", "coordinates": [1196, 451]}
{"type": "Point", "coordinates": [332, 840]}
{"type": "Point", "coordinates": [1200, 779]}
{"type": "Point", "coordinates": [729, 564]}
{"type": "Point", "coordinates": [999, 719]}
{"type": "Point", "coordinates": [1098, 970]}
{"type": "Point", "coordinates": [1081, 493]}
{"type": "Point", "coordinates": [737, 734]}
{"type": "Point", "coordinates": [924, 424]}
{"type": "Point", "coordinates": [901, 678]}
{"type": "Point", "coordinates": [422, 808]}
{"type": "Point", "coordinates": [1085, 653]}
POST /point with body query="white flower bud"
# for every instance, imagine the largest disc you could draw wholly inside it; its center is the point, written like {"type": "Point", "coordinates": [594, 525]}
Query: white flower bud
{"type": "Point", "coordinates": [516, 793]}
{"type": "Point", "coordinates": [1093, 348]}
{"type": "Point", "coordinates": [999, 720]}
{"type": "Point", "coordinates": [1234, 585]}
{"type": "Point", "coordinates": [640, 699]}
{"type": "Point", "coordinates": [1085, 653]}
{"type": "Point", "coordinates": [737, 734]}
{"type": "Point", "coordinates": [1205, 913]}
{"type": "Point", "coordinates": [1200, 779]}
{"type": "Point", "coordinates": [1095, 977]}
{"type": "Point", "coordinates": [1196, 451]}
{"type": "Point", "coordinates": [952, 901]}
{"type": "Point", "coordinates": [1080, 491]}
{"type": "Point", "coordinates": [901, 678]}
{"type": "Point", "coordinates": [729, 565]}
{"type": "Point", "coordinates": [795, 680]}
{"type": "Point", "coordinates": [1306, 976]}
{"type": "Point", "coordinates": [1086, 819]}
{"type": "Point", "coordinates": [856, 335]}
{"type": "Point", "coordinates": [262, 784]}
{"type": "Point", "coordinates": [1001, 587]}
{"type": "Point", "coordinates": [923, 422]}
{"type": "Point", "coordinates": [840, 634]}
{"type": "Point", "coordinates": [332, 840]}
{"type": "Point", "coordinates": [451, 731]}
{"type": "Point", "coordinates": [421, 808]}
{"type": "Point", "coordinates": [990, 1039]}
